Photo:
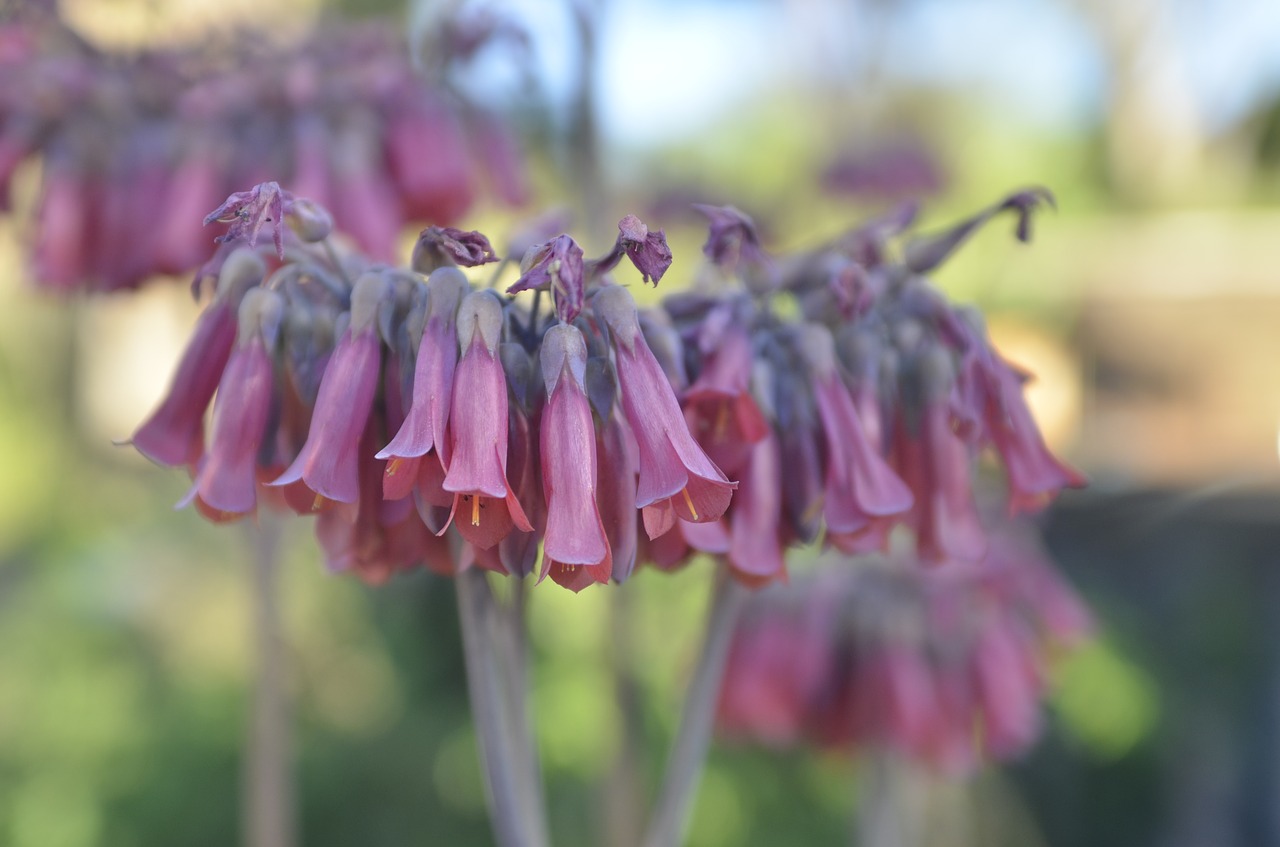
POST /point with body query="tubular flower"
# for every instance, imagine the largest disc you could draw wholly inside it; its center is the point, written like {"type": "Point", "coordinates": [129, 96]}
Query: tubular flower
{"type": "Point", "coordinates": [225, 485]}
{"type": "Point", "coordinates": [719, 406]}
{"type": "Point", "coordinates": [174, 434]}
{"type": "Point", "coordinates": [943, 667]}
{"type": "Point", "coordinates": [860, 486]}
{"type": "Point", "coordinates": [484, 506]}
{"type": "Point", "coordinates": [676, 477]}
{"type": "Point", "coordinates": [424, 429]}
{"type": "Point", "coordinates": [329, 461]}
{"type": "Point", "coordinates": [576, 549]}
{"type": "Point", "coordinates": [863, 418]}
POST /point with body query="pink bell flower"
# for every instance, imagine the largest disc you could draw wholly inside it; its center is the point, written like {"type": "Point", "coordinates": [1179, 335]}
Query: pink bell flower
{"type": "Point", "coordinates": [174, 434]}
{"type": "Point", "coordinates": [226, 484]}
{"type": "Point", "coordinates": [484, 502]}
{"type": "Point", "coordinates": [575, 550]}
{"type": "Point", "coordinates": [676, 479]}
{"type": "Point", "coordinates": [328, 463]}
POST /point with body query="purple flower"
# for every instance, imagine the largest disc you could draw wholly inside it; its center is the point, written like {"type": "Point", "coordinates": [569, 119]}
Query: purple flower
{"type": "Point", "coordinates": [576, 549]}
{"type": "Point", "coordinates": [617, 462]}
{"type": "Point", "coordinates": [249, 211]}
{"type": "Point", "coordinates": [423, 429]}
{"type": "Point", "coordinates": [444, 246]}
{"type": "Point", "coordinates": [483, 499]}
{"type": "Point", "coordinates": [648, 251]}
{"type": "Point", "coordinates": [860, 485]}
{"type": "Point", "coordinates": [676, 477]}
{"type": "Point", "coordinates": [755, 547]}
{"type": "Point", "coordinates": [329, 462]}
{"type": "Point", "coordinates": [174, 434]}
{"type": "Point", "coordinates": [733, 240]}
{"type": "Point", "coordinates": [226, 483]}
{"type": "Point", "coordinates": [557, 266]}
{"type": "Point", "coordinates": [719, 406]}
{"type": "Point", "coordinates": [1035, 476]}
{"type": "Point", "coordinates": [948, 526]}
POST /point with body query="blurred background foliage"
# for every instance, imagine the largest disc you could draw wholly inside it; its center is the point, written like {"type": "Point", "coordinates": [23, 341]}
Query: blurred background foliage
{"type": "Point", "coordinates": [1147, 307]}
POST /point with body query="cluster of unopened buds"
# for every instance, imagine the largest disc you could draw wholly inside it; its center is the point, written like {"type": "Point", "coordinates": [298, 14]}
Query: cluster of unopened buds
{"type": "Point", "coordinates": [428, 420]}
{"type": "Point", "coordinates": [135, 149]}
{"type": "Point", "coordinates": [946, 667]}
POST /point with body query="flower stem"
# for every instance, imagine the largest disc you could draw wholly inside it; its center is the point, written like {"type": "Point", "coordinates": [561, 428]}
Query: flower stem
{"type": "Point", "coordinates": [518, 820]}
{"type": "Point", "coordinates": [693, 740]}
{"type": "Point", "coordinates": [268, 778]}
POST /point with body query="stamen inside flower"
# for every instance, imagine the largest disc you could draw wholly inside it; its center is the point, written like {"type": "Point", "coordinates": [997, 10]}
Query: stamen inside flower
{"type": "Point", "coordinates": [722, 423]}
{"type": "Point", "coordinates": [688, 501]}
{"type": "Point", "coordinates": [318, 503]}
{"type": "Point", "coordinates": [475, 511]}
{"type": "Point", "coordinates": [394, 465]}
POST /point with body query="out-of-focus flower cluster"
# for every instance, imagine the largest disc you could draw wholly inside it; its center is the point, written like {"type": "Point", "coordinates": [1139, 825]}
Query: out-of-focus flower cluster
{"type": "Point", "coordinates": [427, 420]}
{"type": "Point", "coordinates": [944, 666]}
{"type": "Point", "coordinates": [135, 149]}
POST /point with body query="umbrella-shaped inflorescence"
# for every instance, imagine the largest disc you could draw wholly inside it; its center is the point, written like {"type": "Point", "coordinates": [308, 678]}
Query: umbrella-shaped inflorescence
{"type": "Point", "coordinates": [134, 149]}
{"type": "Point", "coordinates": [426, 420]}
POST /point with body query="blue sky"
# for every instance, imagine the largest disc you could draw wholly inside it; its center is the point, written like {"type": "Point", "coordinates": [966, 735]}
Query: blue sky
{"type": "Point", "coordinates": [670, 67]}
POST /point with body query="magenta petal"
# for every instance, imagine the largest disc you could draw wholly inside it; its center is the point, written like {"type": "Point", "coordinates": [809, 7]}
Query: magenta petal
{"type": "Point", "coordinates": [575, 534]}
{"type": "Point", "coordinates": [173, 435]}
{"type": "Point", "coordinates": [670, 458]}
{"type": "Point", "coordinates": [479, 423]}
{"type": "Point", "coordinates": [329, 461]}
{"type": "Point", "coordinates": [227, 480]}
{"type": "Point", "coordinates": [754, 525]}
{"type": "Point", "coordinates": [424, 428]}
{"type": "Point", "coordinates": [860, 483]}
{"type": "Point", "coordinates": [617, 459]}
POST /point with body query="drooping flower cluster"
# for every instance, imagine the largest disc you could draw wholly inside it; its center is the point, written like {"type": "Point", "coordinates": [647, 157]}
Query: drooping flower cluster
{"type": "Point", "coordinates": [427, 420]}
{"type": "Point", "coordinates": [944, 666]}
{"type": "Point", "coordinates": [135, 149]}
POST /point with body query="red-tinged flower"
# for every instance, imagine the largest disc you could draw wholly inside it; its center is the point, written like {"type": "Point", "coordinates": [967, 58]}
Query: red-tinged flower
{"type": "Point", "coordinates": [1035, 476]}
{"type": "Point", "coordinates": [769, 679]}
{"type": "Point", "coordinates": [484, 507]}
{"type": "Point", "coordinates": [248, 212]}
{"type": "Point", "coordinates": [755, 548]}
{"type": "Point", "coordinates": [174, 434]}
{"type": "Point", "coordinates": [647, 250]}
{"type": "Point", "coordinates": [1007, 689]}
{"type": "Point", "coordinates": [938, 466]}
{"type": "Point", "coordinates": [719, 406]}
{"type": "Point", "coordinates": [63, 224]}
{"type": "Point", "coordinates": [226, 483]}
{"type": "Point", "coordinates": [329, 461]}
{"type": "Point", "coordinates": [675, 473]}
{"type": "Point", "coordinates": [181, 242]}
{"type": "Point", "coordinates": [576, 549]}
{"type": "Point", "coordinates": [369, 208]}
{"type": "Point", "coordinates": [424, 429]}
{"type": "Point", "coordinates": [557, 267]}
{"type": "Point", "coordinates": [519, 550]}
{"type": "Point", "coordinates": [860, 485]}
{"type": "Point", "coordinates": [733, 240]}
{"type": "Point", "coordinates": [617, 461]}
{"type": "Point", "coordinates": [374, 539]}
{"type": "Point", "coordinates": [445, 246]}
{"type": "Point", "coordinates": [427, 153]}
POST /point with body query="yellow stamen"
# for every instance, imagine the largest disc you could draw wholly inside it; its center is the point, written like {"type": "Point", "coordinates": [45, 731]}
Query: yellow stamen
{"type": "Point", "coordinates": [317, 503]}
{"type": "Point", "coordinates": [394, 465]}
{"type": "Point", "coordinates": [688, 501]}
{"type": "Point", "coordinates": [475, 510]}
{"type": "Point", "coordinates": [722, 422]}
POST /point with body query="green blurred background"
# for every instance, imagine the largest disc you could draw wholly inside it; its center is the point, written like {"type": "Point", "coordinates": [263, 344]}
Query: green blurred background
{"type": "Point", "coordinates": [1147, 306]}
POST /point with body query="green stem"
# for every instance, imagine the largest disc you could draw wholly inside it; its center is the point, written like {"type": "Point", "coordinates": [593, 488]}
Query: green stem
{"type": "Point", "coordinates": [693, 740]}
